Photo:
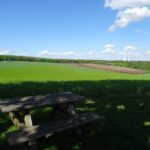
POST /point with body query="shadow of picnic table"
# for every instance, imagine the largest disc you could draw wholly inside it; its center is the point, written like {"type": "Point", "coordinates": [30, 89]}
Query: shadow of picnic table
{"type": "Point", "coordinates": [123, 106]}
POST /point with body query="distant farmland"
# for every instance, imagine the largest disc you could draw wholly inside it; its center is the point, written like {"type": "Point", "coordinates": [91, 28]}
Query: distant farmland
{"type": "Point", "coordinates": [37, 71]}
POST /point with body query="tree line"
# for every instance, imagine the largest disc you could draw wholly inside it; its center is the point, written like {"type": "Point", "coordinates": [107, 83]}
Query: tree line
{"type": "Point", "coordinates": [145, 65]}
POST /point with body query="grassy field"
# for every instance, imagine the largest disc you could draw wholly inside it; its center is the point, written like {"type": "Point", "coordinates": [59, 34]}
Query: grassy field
{"type": "Point", "coordinates": [31, 71]}
{"type": "Point", "coordinates": [121, 100]}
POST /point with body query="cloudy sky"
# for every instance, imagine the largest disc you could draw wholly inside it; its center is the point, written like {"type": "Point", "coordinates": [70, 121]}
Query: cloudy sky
{"type": "Point", "coordinates": [76, 29]}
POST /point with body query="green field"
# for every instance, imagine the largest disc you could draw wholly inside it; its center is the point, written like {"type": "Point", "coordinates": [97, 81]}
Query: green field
{"type": "Point", "coordinates": [31, 71]}
{"type": "Point", "coordinates": [121, 100]}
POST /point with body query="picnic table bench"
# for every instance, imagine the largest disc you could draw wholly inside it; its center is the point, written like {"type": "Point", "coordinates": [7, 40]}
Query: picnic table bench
{"type": "Point", "coordinates": [20, 108]}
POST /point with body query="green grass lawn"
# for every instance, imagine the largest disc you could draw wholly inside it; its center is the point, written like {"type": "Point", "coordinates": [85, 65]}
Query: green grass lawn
{"type": "Point", "coordinates": [121, 100]}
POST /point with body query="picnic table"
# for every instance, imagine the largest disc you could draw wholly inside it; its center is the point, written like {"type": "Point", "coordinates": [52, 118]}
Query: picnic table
{"type": "Point", "coordinates": [19, 112]}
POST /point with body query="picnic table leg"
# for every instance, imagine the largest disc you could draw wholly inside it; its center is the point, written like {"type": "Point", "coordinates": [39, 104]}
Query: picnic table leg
{"type": "Point", "coordinates": [28, 123]}
{"type": "Point", "coordinates": [14, 116]}
{"type": "Point", "coordinates": [71, 109]}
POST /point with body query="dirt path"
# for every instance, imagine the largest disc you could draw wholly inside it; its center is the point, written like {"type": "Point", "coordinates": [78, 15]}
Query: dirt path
{"type": "Point", "coordinates": [110, 68]}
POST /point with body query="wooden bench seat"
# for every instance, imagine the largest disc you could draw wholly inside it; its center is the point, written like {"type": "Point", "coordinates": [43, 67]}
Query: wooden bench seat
{"type": "Point", "coordinates": [34, 132]}
{"type": "Point", "coordinates": [17, 104]}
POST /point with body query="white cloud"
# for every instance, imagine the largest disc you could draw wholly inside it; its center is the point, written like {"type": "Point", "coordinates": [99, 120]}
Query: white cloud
{"type": "Point", "coordinates": [56, 54]}
{"type": "Point", "coordinates": [110, 52]}
{"type": "Point", "coordinates": [129, 11]}
{"type": "Point", "coordinates": [4, 52]}
{"type": "Point", "coordinates": [91, 53]}
{"type": "Point", "coordinates": [109, 46]}
{"type": "Point", "coordinates": [130, 48]}
{"type": "Point", "coordinates": [147, 53]}
{"type": "Point", "coordinates": [128, 52]}
{"type": "Point", "coordinates": [132, 53]}
{"type": "Point", "coordinates": [141, 31]}
{"type": "Point", "coordinates": [129, 15]}
{"type": "Point", "coordinates": [121, 4]}
{"type": "Point", "coordinates": [109, 49]}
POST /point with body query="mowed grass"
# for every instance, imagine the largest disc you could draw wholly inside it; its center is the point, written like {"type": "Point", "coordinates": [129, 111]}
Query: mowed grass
{"type": "Point", "coordinates": [121, 100]}
{"type": "Point", "coordinates": [36, 71]}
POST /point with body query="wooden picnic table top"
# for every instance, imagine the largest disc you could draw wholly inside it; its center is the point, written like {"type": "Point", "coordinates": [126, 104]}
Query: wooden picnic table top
{"type": "Point", "coordinates": [17, 104]}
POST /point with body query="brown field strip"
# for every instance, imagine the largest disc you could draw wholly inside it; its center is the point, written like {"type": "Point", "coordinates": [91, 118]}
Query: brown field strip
{"type": "Point", "coordinates": [110, 68]}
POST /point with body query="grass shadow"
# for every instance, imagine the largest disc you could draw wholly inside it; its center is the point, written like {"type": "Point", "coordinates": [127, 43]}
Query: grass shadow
{"type": "Point", "coordinates": [123, 106]}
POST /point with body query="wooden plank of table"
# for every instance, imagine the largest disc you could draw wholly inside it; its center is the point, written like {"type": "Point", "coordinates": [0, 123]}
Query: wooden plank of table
{"type": "Point", "coordinates": [37, 131]}
{"type": "Point", "coordinates": [16, 104]}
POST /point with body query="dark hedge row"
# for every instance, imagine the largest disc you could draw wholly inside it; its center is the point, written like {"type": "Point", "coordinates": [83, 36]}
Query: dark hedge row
{"type": "Point", "coordinates": [37, 59]}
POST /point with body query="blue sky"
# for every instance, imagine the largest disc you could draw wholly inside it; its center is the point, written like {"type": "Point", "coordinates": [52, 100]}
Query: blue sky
{"type": "Point", "coordinates": [78, 29]}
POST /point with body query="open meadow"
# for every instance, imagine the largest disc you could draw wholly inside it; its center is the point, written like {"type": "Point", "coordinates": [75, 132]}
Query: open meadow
{"type": "Point", "coordinates": [122, 101]}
